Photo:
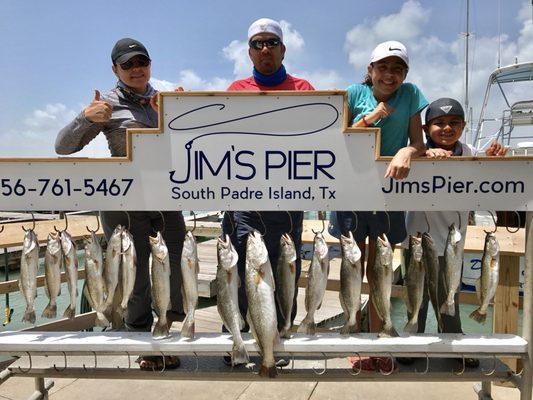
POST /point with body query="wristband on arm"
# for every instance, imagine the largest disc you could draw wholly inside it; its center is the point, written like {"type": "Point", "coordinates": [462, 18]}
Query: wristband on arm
{"type": "Point", "coordinates": [365, 121]}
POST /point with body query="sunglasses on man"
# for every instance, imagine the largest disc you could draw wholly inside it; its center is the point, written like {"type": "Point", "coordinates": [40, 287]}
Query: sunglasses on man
{"type": "Point", "coordinates": [260, 44]}
{"type": "Point", "coordinates": [135, 62]}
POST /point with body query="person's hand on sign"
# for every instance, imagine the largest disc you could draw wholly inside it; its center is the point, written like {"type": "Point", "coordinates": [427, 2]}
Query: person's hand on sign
{"type": "Point", "coordinates": [155, 97]}
{"type": "Point", "coordinates": [400, 165]}
{"type": "Point", "coordinates": [496, 150]}
{"type": "Point", "coordinates": [438, 153]}
{"type": "Point", "coordinates": [98, 110]}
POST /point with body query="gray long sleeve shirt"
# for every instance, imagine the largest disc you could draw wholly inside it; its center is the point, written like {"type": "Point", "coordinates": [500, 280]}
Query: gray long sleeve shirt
{"type": "Point", "coordinates": [129, 111]}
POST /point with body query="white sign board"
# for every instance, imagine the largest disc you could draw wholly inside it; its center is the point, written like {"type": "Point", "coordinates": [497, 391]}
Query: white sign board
{"type": "Point", "coordinates": [244, 151]}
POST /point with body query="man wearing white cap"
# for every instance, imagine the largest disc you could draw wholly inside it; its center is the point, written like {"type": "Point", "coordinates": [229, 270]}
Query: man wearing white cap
{"type": "Point", "coordinates": [266, 50]}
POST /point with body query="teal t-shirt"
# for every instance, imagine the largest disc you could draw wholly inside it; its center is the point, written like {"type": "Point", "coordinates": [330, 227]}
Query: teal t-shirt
{"type": "Point", "coordinates": [406, 101]}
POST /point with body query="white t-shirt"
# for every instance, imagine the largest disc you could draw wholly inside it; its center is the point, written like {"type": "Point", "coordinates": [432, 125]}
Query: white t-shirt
{"type": "Point", "coordinates": [439, 221]}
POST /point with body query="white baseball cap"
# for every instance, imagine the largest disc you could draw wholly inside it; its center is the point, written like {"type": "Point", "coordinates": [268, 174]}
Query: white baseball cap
{"type": "Point", "coordinates": [391, 48]}
{"type": "Point", "coordinates": [263, 25]}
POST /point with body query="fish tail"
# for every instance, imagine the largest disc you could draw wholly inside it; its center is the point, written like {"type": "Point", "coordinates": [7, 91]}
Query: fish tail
{"type": "Point", "coordinates": [239, 354]}
{"type": "Point", "coordinates": [388, 331]}
{"type": "Point", "coordinates": [101, 319]}
{"type": "Point", "coordinates": [50, 311]}
{"type": "Point", "coordinates": [29, 315]}
{"type": "Point", "coordinates": [268, 372]}
{"type": "Point", "coordinates": [307, 326]}
{"type": "Point", "coordinates": [348, 328]}
{"type": "Point", "coordinates": [161, 329]}
{"type": "Point", "coordinates": [70, 312]}
{"type": "Point", "coordinates": [285, 331]}
{"type": "Point", "coordinates": [478, 316]}
{"type": "Point", "coordinates": [411, 326]}
{"type": "Point", "coordinates": [448, 309]}
{"type": "Point", "coordinates": [187, 330]}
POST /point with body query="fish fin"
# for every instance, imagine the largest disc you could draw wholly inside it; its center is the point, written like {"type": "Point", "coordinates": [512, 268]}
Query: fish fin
{"type": "Point", "coordinates": [448, 309]}
{"type": "Point", "coordinates": [50, 311]}
{"type": "Point", "coordinates": [239, 355]}
{"type": "Point", "coordinates": [307, 326]}
{"type": "Point", "coordinates": [285, 331]}
{"type": "Point", "coordinates": [70, 312]}
{"type": "Point", "coordinates": [101, 320]}
{"type": "Point", "coordinates": [161, 330]}
{"type": "Point", "coordinates": [257, 279]}
{"type": "Point", "coordinates": [187, 329]}
{"type": "Point", "coordinates": [478, 316]}
{"type": "Point", "coordinates": [268, 372]}
{"type": "Point", "coordinates": [29, 315]}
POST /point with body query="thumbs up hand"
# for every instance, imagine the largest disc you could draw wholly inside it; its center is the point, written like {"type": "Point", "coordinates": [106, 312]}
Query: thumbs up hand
{"type": "Point", "coordinates": [98, 110]}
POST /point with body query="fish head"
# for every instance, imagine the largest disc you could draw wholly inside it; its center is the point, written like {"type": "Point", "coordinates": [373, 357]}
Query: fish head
{"type": "Point", "coordinates": [115, 241]}
{"type": "Point", "coordinates": [256, 251]}
{"type": "Point", "coordinates": [287, 247]}
{"type": "Point", "coordinates": [454, 236]}
{"type": "Point", "coordinates": [427, 240]}
{"type": "Point", "coordinates": [54, 243]}
{"type": "Point", "coordinates": [30, 241]}
{"type": "Point", "coordinates": [126, 239]}
{"type": "Point", "coordinates": [92, 246]}
{"type": "Point", "coordinates": [227, 255]}
{"type": "Point", "coordinates": [158, 246]}
{"type": "Point", "coordinates": [189, 246]}
{"type": "Point", "coordinates": [492, 247]}
{"type": "Point", "coordinates": [66, 242]}
{"type": "Point", "coordinates": [415, 243]}
{"type": "Point", "coordinates": [349, 248]}
{"type": "Point", "coordinates": [384, 250]}
{"type": "Point", "coordinates": [320, 247]}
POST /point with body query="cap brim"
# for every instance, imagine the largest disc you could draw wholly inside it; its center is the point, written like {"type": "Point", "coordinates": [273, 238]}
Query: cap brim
{"type": "Point", "coordinates": [125, 57]}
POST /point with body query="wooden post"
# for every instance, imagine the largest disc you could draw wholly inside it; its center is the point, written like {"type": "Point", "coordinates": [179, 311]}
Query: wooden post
{"type": "Point", "coordinates": [506, 301]}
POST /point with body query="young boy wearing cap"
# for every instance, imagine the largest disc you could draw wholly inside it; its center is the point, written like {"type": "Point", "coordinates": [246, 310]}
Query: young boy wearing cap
{"type": "Point", "coordinates": [128, 106]}
{"type": "Point", "coordinates": [444, 124]}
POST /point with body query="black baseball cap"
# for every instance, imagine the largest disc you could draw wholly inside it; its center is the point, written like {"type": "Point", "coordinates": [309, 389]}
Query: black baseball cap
{"type": "Point", "coordinates": [444, 106]}
{"type": "Point", "coordinates": [127, 48]}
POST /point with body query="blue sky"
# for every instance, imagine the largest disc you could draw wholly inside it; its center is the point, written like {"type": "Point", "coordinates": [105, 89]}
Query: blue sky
{"type": "Point", "coordinates": [55, 53]}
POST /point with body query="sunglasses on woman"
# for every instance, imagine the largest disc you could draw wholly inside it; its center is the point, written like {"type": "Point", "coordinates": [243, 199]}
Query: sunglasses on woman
{"type": "Point", "coordinates": [135, 62]}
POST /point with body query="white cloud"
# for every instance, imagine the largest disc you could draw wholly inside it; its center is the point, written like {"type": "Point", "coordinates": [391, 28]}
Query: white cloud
{"type": "Point", "coordinates": [190, 80]}
{"type": "Point", "coordinates": [35, 137]}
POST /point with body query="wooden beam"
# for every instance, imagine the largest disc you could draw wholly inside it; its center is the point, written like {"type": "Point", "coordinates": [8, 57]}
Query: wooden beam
{"type": "Point", "coordinates": [79, 323]}
{"type": "Point", "coordinates": [13, 286]}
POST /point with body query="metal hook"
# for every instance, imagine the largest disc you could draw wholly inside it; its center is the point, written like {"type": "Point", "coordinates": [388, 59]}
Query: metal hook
{"type": "Point", "coordinates": [356, 220]}
{"type": "Point", "coordinates": [462, 371]}
{"type": "Point", "coordinates": [25, 371]}
{"type": "Point", "coordinates": [290, 220]}
{"type": "Point", "coordinates": [461, 222]}
{"type": "Point", "coordinates": [262, 223]}
{"type": "Point", "coordinates": [318, 372]}
{"type": "Point", "coordinates": [292, 361]}
{"type": "Point", "coordinates": [198, 363]}
{"type": "Point", "coordinates": [33, 222]}
{"type": "Point", "coordinates": [517, 374]}
{"type": "Point", "coordinates": [353, 372]}
{"type": "Point", "coordinates": [97, 228]}
{"type": "Point", "coordinates": [323, 227]}
{"type": "Point", "coordinates": [493, 370]}
{"type": "Point", "coordinates": [65, 367]}
{"type": "Point", "coordinates": [506, 226]}
{"type": "Point", "coordinates": [493, 220]}
{"type": "Point", "coordinates": [66, 224]}
{"type": "Point", "coordinates": [164, 363]}
{"type": "Point", "coordinates": [164, 224]}
{"type": "Point", "coordinates": [427, 221]}
{"type": "Point", "coordinates": [388, 222]}
{"type": "Point", "coordinates": [129, 364]}
{"type": "Point", "coordinates": [387, 373]}
{"type": "Point", "coordinates": [129, 220]}
{"type": "Point", "coordinates": [231, 222]}
{"type": "Point", "coordinates": [1, 230]}
{"type": "Point", "coordinates": [427, 366]}
{"type": "Point", "coordinates": [194, 221]}
{"type": "Point", "coordinates": [95, 363]}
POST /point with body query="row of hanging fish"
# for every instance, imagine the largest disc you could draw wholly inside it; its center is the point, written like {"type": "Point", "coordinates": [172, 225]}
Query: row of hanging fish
{"type": "Point", "coordinates": [102, 279]}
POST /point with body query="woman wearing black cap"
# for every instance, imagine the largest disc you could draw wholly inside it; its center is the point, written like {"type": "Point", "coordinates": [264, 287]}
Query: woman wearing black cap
{"type": "Point", "coordinates": [128, 106]}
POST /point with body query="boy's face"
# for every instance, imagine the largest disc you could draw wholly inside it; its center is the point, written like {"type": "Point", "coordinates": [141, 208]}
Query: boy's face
{"type": "Point", "coordinates": [445, 131]}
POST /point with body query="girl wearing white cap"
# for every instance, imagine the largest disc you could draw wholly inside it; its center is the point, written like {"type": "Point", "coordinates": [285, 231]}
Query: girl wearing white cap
{"type": "Point", "coordinates": [384, 100]}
